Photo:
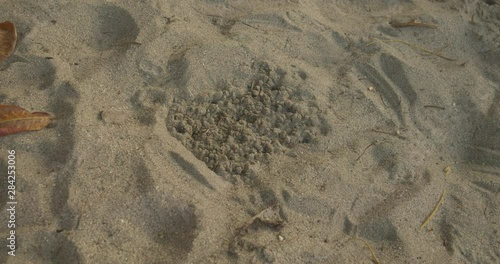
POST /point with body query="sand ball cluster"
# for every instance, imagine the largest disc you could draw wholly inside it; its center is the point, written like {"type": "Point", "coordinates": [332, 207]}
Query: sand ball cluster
{"type": "Point", "coordinates": [232, 130]}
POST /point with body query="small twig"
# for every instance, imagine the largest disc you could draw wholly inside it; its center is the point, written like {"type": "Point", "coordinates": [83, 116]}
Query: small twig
{"type": "Point", "coordinates": [371, 144]}
{"type": "Point", "coordinates": [389, 133]}
{"type": "Point", "coordinates": [374, 257]}
{"type": "Point", "coordinates": [441, 49]}
{"type": "Point", "coordinates": [248, 25]}
{"type": "Point", "coordinates": [411, 23]}
{"type": "Point", "coordinates": [433, 211]}
{"type": "Point", "coordinates": [414, 46]}
{"type": "Point", "coordinates": [434, 106]}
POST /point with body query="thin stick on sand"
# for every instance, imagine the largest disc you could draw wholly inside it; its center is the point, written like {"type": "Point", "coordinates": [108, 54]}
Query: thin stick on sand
{"type": "Point", "coordinates": [433, 211]}
{"type": "Point", "coordinates": [411, 23]}
{"type": "Point", "coordinates": [363, 153]}
{"type": "Point", "coordinates": [374, 258]}
{"type": "Point", "coordinates": [413, 46]}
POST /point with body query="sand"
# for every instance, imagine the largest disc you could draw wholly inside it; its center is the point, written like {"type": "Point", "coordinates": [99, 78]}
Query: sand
{"type": "Point", "coordinates": [208, 131]}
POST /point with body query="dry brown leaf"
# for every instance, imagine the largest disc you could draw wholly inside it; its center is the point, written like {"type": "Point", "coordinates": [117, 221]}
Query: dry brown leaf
{"type": "Point", "coordinates": [14, 119]}
{"type": "Point", "coordinates": [8, 38]}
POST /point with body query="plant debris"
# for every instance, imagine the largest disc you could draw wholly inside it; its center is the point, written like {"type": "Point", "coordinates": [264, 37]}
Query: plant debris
{"type": "Point", "coordinates": [14, 119]}
{"type": "Point", "coordinates": [435, 53]}
{"type": "Point", "coordinates": [433, 211]}
{"type": "Point", "coordinates": [270, 216]}
{"type": "Point", "coordinates": [374, 257]}
{"type": "Point", "coordinates": [411, 23]}
{"type": "Point", "coordinates": [8, 38]}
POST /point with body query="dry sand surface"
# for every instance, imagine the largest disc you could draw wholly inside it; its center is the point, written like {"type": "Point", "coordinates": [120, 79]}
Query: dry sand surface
{"type": "Point", "coordinates": [213, 131]}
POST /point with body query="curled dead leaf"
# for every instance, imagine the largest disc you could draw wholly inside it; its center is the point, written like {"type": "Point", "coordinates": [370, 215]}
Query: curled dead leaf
{"type": "Point", "coordinates": [14, 119]}
{"type": "Point", "coordinates": [8, 38]}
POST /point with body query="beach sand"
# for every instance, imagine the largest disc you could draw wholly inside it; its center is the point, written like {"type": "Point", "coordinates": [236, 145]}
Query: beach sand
{"type": "Point", "coordinates": [213, 131]}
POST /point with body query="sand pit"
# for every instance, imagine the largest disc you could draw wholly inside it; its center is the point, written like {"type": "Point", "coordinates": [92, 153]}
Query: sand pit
{"type": "Point", "coordinates": [233, 132]}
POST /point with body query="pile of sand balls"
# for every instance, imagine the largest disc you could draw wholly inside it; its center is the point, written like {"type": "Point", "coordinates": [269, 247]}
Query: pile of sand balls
{"type": "Point", "coordinates": [231, 130]}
